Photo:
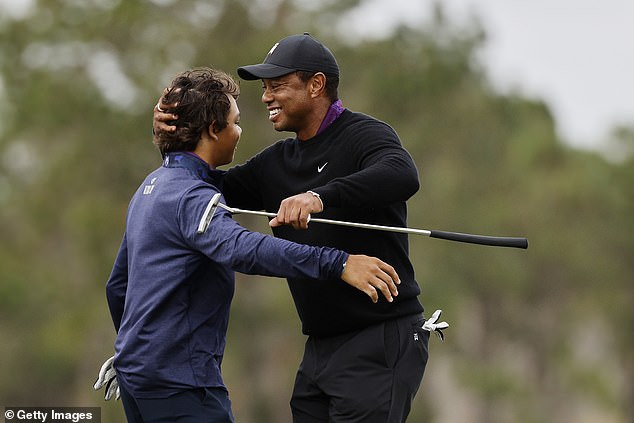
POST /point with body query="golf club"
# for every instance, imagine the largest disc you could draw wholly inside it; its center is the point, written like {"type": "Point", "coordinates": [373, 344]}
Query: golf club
{"type": "Point", "coordinates": [495, 241]}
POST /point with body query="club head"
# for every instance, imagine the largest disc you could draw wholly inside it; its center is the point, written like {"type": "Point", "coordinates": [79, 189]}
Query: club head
{"type": "Point", "coordinates": [208, 214]}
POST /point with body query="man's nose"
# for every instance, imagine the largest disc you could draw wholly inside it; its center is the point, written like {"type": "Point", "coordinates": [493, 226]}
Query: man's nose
{"type": "Point", "coordinates": [267, 97]}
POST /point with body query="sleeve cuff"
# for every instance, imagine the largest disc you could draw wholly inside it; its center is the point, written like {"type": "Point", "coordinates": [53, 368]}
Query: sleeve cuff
{"type": "Point", "coordinates": [318, 197]}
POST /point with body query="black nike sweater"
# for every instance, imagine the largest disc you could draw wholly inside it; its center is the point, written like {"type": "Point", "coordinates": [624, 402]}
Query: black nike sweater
{"type": "Point", "coordinates": [362, 174]}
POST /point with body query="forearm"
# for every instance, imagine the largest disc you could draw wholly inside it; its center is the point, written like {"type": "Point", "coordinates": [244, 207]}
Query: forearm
{"type": "Point", "coordinates": [229, 244]}
{"type": "Point", "coordinates": [117, 285]}
{"type": "Point", "coordinates": [256, 253]}
{"type": "Point", "coordinates": [115, 305]}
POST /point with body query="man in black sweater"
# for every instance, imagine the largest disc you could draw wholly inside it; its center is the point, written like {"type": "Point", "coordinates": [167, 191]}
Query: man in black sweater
{"type": "Point", "coordinates": [363, 362]}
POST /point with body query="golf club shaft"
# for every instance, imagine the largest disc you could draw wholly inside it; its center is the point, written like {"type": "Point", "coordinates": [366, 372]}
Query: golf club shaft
{"type": "Point", "coordinates": [450, 236]}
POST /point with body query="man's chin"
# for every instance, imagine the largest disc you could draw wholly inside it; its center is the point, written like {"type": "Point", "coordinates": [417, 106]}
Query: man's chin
{"type": "Point", "coordinates": [279, 127]}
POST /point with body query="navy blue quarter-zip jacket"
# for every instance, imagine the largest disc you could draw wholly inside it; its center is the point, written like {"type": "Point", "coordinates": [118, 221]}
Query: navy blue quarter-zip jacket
{"type": "Point", "coordinates": [171, 288]}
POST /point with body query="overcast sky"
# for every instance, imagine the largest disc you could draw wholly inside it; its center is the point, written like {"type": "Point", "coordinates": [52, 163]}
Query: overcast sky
{"type": "Point", "coordinates": [577, 55]}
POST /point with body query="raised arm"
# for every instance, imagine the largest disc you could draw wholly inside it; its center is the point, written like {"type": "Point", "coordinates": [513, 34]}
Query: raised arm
{"type": "Point", "coordinates": [229, 244]}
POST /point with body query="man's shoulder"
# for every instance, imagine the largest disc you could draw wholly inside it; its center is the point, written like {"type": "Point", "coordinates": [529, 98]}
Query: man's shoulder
{"type": "Point", "coordinates": [357, 116]}
{"type": "Point", "coordinates": [364, 125]}
{"type": "Point", "coordinates": [354, 118]}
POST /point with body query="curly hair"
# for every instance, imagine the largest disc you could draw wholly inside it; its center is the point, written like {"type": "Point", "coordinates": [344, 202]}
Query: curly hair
{"type": "Point", "coordinates": [201, 97]}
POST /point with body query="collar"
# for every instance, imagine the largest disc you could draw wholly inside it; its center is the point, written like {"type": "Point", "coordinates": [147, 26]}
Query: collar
{"type": "Point", "coordinates": [334, 111]}
{"type": "Point", "coordinates": [199, 167]}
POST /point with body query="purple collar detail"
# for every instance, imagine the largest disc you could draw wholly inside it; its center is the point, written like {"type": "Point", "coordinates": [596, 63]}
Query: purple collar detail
{"type": "Point", "coordinates": [335, 110]}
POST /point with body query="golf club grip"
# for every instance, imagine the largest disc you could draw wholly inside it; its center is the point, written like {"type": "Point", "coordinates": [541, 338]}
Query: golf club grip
{"type": "Point", "coordinates": [495, 241]}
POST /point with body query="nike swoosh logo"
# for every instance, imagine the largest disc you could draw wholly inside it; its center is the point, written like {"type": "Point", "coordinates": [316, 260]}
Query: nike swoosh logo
{"type": "Point", "coordinates": [320, 168]}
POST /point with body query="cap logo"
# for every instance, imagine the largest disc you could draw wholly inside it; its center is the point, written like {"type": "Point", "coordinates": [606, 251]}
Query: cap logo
{"type": "Point", "coordinates": [272, 49]}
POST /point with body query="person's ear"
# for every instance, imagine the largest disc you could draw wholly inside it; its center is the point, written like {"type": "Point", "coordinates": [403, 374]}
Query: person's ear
{"type": "Point", "coordinates": [213, 130]}
{"type": "Point", "coordinates": [317, 84]}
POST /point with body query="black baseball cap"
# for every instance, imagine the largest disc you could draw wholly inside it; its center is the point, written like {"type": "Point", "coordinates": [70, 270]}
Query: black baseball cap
{"type": "Point", "coordinates": [294, 53]}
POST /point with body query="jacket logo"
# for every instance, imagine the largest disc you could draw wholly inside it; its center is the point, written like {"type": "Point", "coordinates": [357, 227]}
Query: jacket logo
{"type": "Point", "coordinates": [147, 190]}
{"type": "Point", "coordinates": [320, 168]}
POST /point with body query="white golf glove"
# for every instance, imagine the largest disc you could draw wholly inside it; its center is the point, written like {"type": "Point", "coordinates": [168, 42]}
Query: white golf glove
{"type": "Point", "coordinates": [430, 325]}
{"type": "Point", "coordinates": [108, 378]}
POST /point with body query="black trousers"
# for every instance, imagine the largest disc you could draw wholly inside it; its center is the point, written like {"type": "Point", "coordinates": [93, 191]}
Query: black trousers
{"type": "Point", "coordinates": [368, 376]}
{"type": "Point", "coordinates": [201, 405]}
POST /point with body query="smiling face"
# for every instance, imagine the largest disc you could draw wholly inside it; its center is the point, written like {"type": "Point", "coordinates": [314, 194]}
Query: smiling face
{"type": "Point", "coordinates": [291, 105]}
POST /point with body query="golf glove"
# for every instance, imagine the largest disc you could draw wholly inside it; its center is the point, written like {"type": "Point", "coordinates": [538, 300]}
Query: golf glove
{"type": "Point", "coordinates": [430, 325]}
{"type": "Point", "coordinates": [108, 378]}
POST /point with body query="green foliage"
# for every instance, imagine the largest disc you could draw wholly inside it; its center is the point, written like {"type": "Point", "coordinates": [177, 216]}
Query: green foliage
{"type": "Point", "coordinates": [536, 336]}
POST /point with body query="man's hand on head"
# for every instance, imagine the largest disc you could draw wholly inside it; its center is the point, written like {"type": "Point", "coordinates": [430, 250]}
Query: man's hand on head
{"type": "Point", "coordinates": [163, 118]}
